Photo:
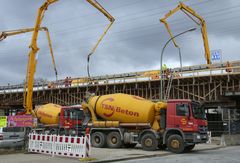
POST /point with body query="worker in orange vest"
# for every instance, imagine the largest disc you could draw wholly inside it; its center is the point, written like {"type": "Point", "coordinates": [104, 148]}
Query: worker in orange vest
{"type": "Point", "coordinates": [228, 67]}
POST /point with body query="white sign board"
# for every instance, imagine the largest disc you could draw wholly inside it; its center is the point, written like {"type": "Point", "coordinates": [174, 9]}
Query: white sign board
{"type": "Point", "coordinates": [216, 56]}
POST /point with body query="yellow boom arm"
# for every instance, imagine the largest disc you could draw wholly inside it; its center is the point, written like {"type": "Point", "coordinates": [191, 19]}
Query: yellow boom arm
{"type": "Point", "coordinates": [5, 34]}
{"type": "Point", "coordinates": [189, 10]}
{"type": "Point", "coordinates": [110, 18]}
{"type": "Point", "coordinates": [32, 61]}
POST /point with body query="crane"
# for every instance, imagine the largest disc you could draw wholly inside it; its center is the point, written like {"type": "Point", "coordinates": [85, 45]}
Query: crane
{"type": "Point", "coordinates": [5, 34]}
{"type": "Point", "coordinates": [110, 18]}
{"type": "Point", "coordinates": [190, 12]}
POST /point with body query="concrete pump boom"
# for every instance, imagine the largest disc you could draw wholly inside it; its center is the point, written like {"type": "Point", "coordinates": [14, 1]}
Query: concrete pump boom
{"type": "Point", "coordinates": [32, 61]}
{"type": "Point", "coordinates": [5, 34]}
{"type": "Point", "coordinates": [110, 18]}
{"type": "Point", "coordinates": [189, 11]}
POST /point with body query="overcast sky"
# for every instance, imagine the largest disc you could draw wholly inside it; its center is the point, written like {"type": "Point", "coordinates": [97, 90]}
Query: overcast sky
{"type": "Point", "coordinates": [134, 42]}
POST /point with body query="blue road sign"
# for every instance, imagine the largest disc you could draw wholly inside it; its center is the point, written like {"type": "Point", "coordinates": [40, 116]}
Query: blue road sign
{"type": "Point", "coordinates": [216, 55]}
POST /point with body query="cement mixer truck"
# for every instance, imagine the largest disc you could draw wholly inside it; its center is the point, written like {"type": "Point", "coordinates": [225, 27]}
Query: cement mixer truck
{"type": "Point", "coordinates": [56, 119]}
{"type": "Point", "coordinates": [117, 120]}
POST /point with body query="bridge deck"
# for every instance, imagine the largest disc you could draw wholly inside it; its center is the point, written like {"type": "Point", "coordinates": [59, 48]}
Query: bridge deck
{"type": "Point", "coordinates": [216, 87]}
{"type": "Point", "coordinates": [201, 83]}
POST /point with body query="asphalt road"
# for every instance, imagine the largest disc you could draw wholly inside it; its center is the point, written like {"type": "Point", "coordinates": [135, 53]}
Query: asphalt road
{"type": "Point", "coordinates": [221, 155]}
{"type": "Point", "coordinates": [202, 154]}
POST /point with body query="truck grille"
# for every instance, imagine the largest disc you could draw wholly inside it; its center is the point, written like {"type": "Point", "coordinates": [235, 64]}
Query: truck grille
{"type": "Point", "coordinates": [203, 129]}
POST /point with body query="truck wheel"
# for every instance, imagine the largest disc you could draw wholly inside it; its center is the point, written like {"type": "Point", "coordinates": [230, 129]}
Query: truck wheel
{"type": "Point", "coordinates": [98, 139]}
{"type": "Point", "coordinates": [189, 148]}
{"type": "Point", "coordinates": [149, 142]}
{"type": "Point", "coordinates": [175, 144]}
{"type": "Point", "coordinates": [114, 140]}
{"type": "Point", "coordinates": [128, 145]}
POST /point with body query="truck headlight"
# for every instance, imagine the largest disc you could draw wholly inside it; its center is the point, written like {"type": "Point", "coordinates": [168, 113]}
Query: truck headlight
{"type": "Point", "coordinates": [198, 137]}
{"type": "Point", "coordinates": [72, 132]}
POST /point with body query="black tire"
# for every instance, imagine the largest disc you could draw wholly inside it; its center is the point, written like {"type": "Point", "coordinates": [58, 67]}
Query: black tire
{"type": "Point", "coordinates": [98, 139]}
{"type": "Point", "coordinates": [175, 144]}
{"type": "Point", "coordinates": [114, 140]}
{"type": "Point", "coordinates": [189, 148]}
{"type": "Point", "coordinates": [149, 142]}
{"type": "Point", "coordinates": [128, 145]}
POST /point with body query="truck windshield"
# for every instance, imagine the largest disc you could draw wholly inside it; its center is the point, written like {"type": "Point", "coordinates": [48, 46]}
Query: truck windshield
{"type": "Point", "coordinates": [198, 112]}
{"type": "Point", "coordinates": [76, 114]}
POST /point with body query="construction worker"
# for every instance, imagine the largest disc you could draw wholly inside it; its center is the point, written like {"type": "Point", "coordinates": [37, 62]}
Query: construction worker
{"type": "Point", "coordinates": [176, 74]}
{"type": "Point", "coordinates": [49, 84]}
{"type": "Point", "coordinates": [168, 72]}
{"type": "Point", "coordinates": [69, 81]}
{"type": "Point", "coordinates": [66, 82]}
{"type": "Point", "coordinates": [164, 67]}
{"type": "Point", "coordinates": [164, 70]}
{"type": "Point", "coordinates": [228, 67]}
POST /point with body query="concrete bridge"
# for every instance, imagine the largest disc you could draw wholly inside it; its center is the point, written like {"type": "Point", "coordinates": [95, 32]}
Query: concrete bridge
{"type": "Point", "coordinates": [214, 86]}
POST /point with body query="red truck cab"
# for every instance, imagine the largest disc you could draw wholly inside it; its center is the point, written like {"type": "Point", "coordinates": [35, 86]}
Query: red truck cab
{"type": "Point", "coordinates": [186, 119]}
{"type": "Point", "coordinates": [71, 119]}
{"type": "Point", "coordinates": [70, 122]}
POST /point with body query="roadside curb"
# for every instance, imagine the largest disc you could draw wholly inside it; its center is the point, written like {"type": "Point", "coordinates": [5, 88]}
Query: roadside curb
{"type": "Point", "coordinates": [148, 156]}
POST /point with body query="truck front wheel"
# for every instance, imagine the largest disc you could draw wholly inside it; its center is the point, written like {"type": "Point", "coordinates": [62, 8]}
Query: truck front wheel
{"type": "Point", "coordinates": [175, 144]}
{"type": "Point", "coordinates": [149, 142]}
{"type": "Point", "coordinates": [98, 139]}
{"type": "Point", "coordinates": [114, 140]}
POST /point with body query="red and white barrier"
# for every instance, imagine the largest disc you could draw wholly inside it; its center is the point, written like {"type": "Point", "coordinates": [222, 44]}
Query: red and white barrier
{"type": "Point", "coordinates": [68, 146]}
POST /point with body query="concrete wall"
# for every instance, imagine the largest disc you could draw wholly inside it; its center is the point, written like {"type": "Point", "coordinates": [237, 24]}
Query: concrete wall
{"type": "Point", "coordinates": [231, 139]}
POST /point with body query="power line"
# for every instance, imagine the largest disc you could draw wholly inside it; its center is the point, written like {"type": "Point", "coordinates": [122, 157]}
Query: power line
{"type": "Point", "coordinates": [96, 25]}
{"type": "Point", "coordinates": [133, 38]}
{"type": "Point", "coordinates": [140, 28]}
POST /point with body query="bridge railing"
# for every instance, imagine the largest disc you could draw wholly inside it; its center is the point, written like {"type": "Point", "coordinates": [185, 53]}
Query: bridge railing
{"type": "Point", "coordinates": [186, 72]}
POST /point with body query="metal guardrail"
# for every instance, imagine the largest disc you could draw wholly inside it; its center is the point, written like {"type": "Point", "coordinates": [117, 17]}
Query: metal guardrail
{"type": "Point", "coordinates": [186, 72]}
